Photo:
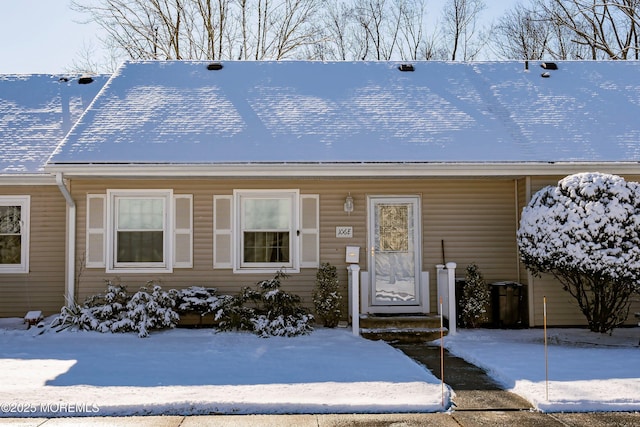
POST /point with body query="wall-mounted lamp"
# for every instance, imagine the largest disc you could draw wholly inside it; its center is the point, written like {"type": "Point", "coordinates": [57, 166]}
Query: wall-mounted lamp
{"type": "Point", "coordinates": [348, 204]}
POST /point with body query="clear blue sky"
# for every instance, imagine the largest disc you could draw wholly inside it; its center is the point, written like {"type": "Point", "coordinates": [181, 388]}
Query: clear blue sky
{"type": "Point", "coordinates": [41, 36]}
{"type": "Point", "coordinates": [46, 36]}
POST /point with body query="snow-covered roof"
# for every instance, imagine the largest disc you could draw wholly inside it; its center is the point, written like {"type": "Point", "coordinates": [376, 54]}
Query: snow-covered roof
{"type": "Point", "coordinates": [36, 111]}
{"type": "Point", "coordinates": [180, 112]}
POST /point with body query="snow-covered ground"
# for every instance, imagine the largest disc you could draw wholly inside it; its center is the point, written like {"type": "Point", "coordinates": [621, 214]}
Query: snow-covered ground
{"type": "Point", "coordinates": [196, 371]}
{"type": "Point", "coordinates": [586, 371]}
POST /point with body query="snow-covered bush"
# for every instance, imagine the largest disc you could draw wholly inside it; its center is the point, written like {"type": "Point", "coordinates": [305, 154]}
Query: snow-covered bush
{"type": "Point", "coordinates": [267, 311]}
{"type": "Point", "coordinates": [200, 300]}
{"type": "Point", "coordinates": [149, 308]}
{"type": "Point", "coordinates": [280, 313]}
{"type": "Point", "coordinates": [475, 298]}
{"type": "Point", "coordinates": [326, 296]}
{"type": "Point", "coordinates": [117, 311]}
{"type": "Point", "coordinates": [586, 232]}
{"type": "Point", "coordinates": [235, 312]}
{"type": "Point", "coordinates": [98, 313]}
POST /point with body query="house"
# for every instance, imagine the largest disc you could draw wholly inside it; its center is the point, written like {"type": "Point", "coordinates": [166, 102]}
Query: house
{"type": "Point", "coordinates": [36, 111]}
{"type": "Point", "coordinates": [221, 174]}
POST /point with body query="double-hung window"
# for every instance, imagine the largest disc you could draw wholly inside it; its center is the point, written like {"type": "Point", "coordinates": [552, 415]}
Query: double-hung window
{"type": "Point", "coordinates": [266, 231]}
{"type": "Point", "coordinates": [14, 234]}
{"type": "Point", "coordinates": [140, 230]}
{"type": "Point", "coordinates": [267, 226]}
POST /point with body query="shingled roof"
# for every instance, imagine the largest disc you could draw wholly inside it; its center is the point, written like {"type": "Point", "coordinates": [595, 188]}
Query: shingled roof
{"type": "Point", "coordinates": [183, 112]}
{"type": "Point", "coordinates": [36, 111]}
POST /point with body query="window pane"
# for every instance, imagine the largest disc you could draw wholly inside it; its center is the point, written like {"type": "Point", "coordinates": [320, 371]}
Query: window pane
{"type": "Point", "coordinates": [140, 246]}
{"type": "Point", "coordinates": [140, 214]}
{"type": "Point", "coordinates": [266, 214]}
{"type": "Point", "coordinates": [266, 247]}
{"type": "Point", "coordinates": [10, 219]}
{"type": "Point", "coordinates": [10, 249]}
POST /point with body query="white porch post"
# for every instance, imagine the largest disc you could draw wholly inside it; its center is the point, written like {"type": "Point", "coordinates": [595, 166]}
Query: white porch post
{"type": "Point", "coordinates": [354, 289]}
{"type": "Point", "coordinates": [451, 285]}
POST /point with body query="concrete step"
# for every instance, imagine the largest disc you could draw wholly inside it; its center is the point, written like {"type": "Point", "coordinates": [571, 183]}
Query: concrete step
{"type": "Point", "coordinates": [401, 328]}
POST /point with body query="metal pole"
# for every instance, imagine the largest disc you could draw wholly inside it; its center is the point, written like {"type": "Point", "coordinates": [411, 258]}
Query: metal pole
{"type": "Point", "coordinates": [546, 355]}
{"type": "Point", "coordinates": [442, 353]}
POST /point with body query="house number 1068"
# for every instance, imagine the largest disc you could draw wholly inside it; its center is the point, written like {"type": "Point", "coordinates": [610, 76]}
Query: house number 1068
{"type": "Point", "coordinates": [344, 232]}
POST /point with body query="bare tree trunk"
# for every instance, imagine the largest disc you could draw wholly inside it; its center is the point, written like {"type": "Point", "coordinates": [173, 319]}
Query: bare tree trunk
{"type": "Point", "coordinates": [608, 28]}
{"type": "Point", "coordinates": [521, 34]}
{"type": "Point", "coordinates": [461, 19]}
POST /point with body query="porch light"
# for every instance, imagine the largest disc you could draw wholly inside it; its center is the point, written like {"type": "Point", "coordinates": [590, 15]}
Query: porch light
{"type": "Point", "coordinates": [348, 204]}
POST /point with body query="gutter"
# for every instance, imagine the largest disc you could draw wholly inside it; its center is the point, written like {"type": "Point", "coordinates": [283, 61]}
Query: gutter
{"type": "Point", "coordinates": [341, 170]}
{"type": "Point", "coordinates": [70, 288]}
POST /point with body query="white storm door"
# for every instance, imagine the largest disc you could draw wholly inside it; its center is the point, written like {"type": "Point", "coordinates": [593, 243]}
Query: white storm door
{"type": "Point", "coordinates": [394, 251]}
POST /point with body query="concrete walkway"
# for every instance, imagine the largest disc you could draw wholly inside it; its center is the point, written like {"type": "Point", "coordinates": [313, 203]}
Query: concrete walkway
{"type": "Point", "coordinates": [479, 402]}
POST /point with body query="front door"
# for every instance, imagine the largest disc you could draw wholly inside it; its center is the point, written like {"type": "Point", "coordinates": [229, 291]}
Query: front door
{"type": "Point", "coordinates": [394, 253]}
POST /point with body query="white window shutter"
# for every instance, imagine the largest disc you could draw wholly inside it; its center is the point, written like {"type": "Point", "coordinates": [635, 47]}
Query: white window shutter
{"type": "Point", "coordinates": [96, 230]}
{"type": "Point", "coordinates": [222, 232]}
{"type": "Point", "coordinates": [309, 231]}
{"type": "Point", "coordinates": [183, 231]}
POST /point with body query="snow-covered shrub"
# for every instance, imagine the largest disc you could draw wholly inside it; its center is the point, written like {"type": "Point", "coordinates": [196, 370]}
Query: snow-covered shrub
{"type": "Point", "coordinates": [267, 311]}
{"type": "Point", "coordinates": [326, 295]}
{"type": "Point", "coordinates": [235, 313]}
{"type": "Point", "coordinates": [200, 300]}
{"type": "Point", "coordinates": [586, 232]}
{"type": "Point", "coordinates": [98, 312]}
{"type": "Point", "coordinates": [280, 313]}
{"type": "Point", "coordinates": [475, 298]}
{"type": "Point", "coordinates": [149, 308]}
{"type": "Point", "coordinates": [117, 311]}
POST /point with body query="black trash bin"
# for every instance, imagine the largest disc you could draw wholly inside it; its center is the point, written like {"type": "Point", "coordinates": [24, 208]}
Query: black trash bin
{"type": "Point", "coordinates": [508, 305]}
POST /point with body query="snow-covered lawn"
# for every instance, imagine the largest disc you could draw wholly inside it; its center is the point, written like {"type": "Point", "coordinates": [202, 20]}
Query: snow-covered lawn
{"type": "Point", "coordinates": [586, 371]}
{"type": "Point", "coordinates": [196, 371]}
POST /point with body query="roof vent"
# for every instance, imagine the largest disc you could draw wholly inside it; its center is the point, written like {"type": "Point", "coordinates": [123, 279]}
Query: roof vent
{"type": "Point", "coordinates": [406, 67]}
{"type": "Point", "coordinates": [549, 65]}
{"type": "Point", "coordinates": [63, 79]}
{"type": "Point", "coordinates": [214, 66]}
{"type": "Point", "coordinates": [545, 75]}
{"type": "Point", "coordinates": [85, 80]}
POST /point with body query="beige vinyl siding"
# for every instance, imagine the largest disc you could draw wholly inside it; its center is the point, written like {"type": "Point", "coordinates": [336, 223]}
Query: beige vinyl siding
{"type": "Point", "coordinates": [42, 288]}
{"type": "Point", "coordinates": [476, 219]}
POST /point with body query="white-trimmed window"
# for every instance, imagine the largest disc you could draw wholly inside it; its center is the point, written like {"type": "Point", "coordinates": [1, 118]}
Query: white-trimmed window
{"type": "Point", "coordinates": [266, 231]}
{"type": "Point", "coordinates": [14, 234]}
{"type": "Point", "coordinates": [267, 223]}
{"type": "Point", "coordinates": [139, 231]}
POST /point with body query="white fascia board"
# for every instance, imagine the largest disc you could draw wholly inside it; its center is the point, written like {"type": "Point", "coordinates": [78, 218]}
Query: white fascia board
{"type": "Point", "coordinates": [346, 170]}
{"type": "Point", "coordinates": [27, 179]}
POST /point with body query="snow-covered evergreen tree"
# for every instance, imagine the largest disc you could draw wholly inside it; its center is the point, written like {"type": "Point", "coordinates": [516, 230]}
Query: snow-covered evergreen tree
{"type": "Point", "coordinates": [586, 232]}
{"type": "Point", "coordinates": [475, 298]}
{"type": "Point", "coordinates": [280, 313]}
{"type": "Point", "coordinates": [326, 295]}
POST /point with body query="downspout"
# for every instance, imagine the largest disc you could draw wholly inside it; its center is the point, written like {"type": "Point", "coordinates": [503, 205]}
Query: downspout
{"type": "Point", "coordinates": [530, 278]}
{"type": "Point", "coordinates": [70, 288]}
